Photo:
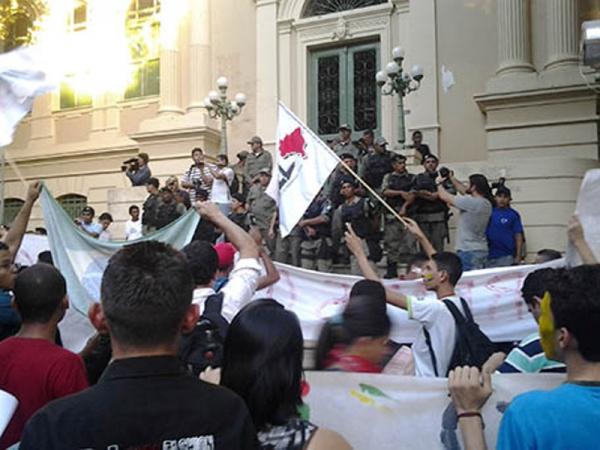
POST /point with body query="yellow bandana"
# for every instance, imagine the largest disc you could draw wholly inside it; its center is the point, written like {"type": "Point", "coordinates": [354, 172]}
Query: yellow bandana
{"type": "Point", "coordinates": [546, 326]}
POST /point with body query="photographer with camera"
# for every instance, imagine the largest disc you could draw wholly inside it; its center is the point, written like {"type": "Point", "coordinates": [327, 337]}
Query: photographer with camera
{"type": "Point", "coordinates": [198, 178]}
{"type": "Point", "coordinates": [475, 205]}
{"type": "Point", "coordinates": [431, 213]}
{"type": "Point", "coordinates": [137, 169]}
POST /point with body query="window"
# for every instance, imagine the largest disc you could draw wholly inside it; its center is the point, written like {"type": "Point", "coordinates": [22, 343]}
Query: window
{"type": "Point", "coordinates": [71, 97]}
{"type": "Point", "coordinates": [73, 204]}
{"type": "Point", "coordinates": [321, 7]}
{"type": "Point", "coordinates": [12, 206]}
{"type": "Point", "coordinates": [143, 27]}
{"type": "Point", "coordinates": [342, 89]}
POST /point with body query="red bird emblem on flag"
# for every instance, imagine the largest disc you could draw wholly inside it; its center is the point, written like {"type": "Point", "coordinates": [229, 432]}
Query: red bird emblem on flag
{"type": "Point", "coordinates": [292, 144]}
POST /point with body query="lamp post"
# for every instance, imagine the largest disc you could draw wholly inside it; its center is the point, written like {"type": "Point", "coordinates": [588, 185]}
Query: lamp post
{"type": "Point", "coordinates": [218, 106]}
{"type": "Point", "coordinates": [394, 80]}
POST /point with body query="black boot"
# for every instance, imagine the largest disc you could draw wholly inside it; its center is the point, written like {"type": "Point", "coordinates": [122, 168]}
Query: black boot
{"type": "Point", "coordinates": [392, 271]}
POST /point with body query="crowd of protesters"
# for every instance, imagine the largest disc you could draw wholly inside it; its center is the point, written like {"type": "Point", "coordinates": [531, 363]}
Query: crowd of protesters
{"type": "Point", "coordinates": [139, 383]}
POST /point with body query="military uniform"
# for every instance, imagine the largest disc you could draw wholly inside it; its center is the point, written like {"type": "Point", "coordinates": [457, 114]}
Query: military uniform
{"type": "Point", "coordinates": [255, 162]}
{"type": "Point", "coordinates": [374, 167]}
{"type": "Point", "coordinates": [347, 147]}
{"type": "Point", "coordinates": [432, 216]}
{"type": "Point", "coordinates": [262, 207]}
{"type": "Point", "coordinates": [287, 249]}
{"type": "Point", "coordinates": [359, 214]}
{"type": "Point", "coordinates": [399, 243]}
{"type": "Point", "coordinates": [316, 250]}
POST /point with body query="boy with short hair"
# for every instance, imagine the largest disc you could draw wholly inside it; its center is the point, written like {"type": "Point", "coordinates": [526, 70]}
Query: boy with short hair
{"type": "Point", "coordinates": [504, 232]}
{"type": "Point", "coordinates": [34, 369]}
{"type": "Point", "coordinates": [133, 227]}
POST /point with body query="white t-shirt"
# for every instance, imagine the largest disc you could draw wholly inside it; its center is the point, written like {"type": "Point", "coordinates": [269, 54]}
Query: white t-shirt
{"type": "Point", "coordinates": [133, 230]}
{"type": "Point", "coordinates": [435, 316]}
{"type": "Point", "coordinates": [220, 188]}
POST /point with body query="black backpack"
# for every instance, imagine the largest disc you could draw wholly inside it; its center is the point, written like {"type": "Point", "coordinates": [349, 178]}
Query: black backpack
{"type": "Point", "coordinates": [203, 347]}
{"type": "Point", "coordinates": [472, 348]}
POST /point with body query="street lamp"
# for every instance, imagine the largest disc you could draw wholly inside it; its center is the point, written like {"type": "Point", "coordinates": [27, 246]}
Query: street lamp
{"type": "Point", "coordinates": [393, 80]}
{"type": "Point", "coordinates": [218, 106]}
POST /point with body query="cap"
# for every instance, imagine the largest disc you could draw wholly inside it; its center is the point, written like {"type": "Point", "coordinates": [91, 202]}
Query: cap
{"type": "Point", "coordinates": [255, 140]}
{"type": "Point", "coordinates": [431, 156]}
{"type": "Point", "coordinates": [88, 210]}
{"type": "Point", "coordinates": [344, 126]}
{"type": "Point", "coordinates": [381, 141]}
{"type": "Point", "coordinates": [226, 253]}
{"type": "Point", "coordinates": [243, 154]}
{"type": "Point", "coordinates": [265, 170]}
{"type": "Point", "coordinates": [347, 156]}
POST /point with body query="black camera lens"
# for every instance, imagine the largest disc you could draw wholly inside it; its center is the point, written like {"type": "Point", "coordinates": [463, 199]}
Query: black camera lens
{"type": "Point", "coordinates": [444, 172]}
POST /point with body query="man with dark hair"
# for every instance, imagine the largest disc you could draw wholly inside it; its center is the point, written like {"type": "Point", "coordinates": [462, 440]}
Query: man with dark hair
{"type": "Point", "coordinates": [421, 148]}
{"type": "Point", "coordinates": [546, 255]}
{"type": "Point", "coordinates": [376, 164]}
{"type": "Point", "coordinates": [168, 210]}
{"type": "Point", "coordinates": [528, 356]}
{"type": "Point", "coordinates": [263, 209]}
{"type": "Point", "coordinates": [198, 178]}
{"type": "Point", "coordinates": [138, 171]}
{"type": "Point", "coordinates": [150, 207]}
{"type": "Point", "coordinates": [223, 177]}
{"type": "Point", "coordinates": [105, 220]}
{"type": "Point", "coordinates": [133, 227]}
{"type": "Point", "coordinates": [430, 211]}
{"type": "Point", "coordinates": [86, 222]}
{"type": "Point", "coordinates": [434, 345]}
{"type": "Point", "coordinates": [9, 246]}
{"type": "Point", "coordinates": [34, 369]}
{"type": "Point", "coordinates": [145, 398]}
{"type": "Point", "coordinates": [564, 417]}
{"type": "Point", "coordinates": [204, 264]}
{"type": "Point", "coordinates": [336, 179]}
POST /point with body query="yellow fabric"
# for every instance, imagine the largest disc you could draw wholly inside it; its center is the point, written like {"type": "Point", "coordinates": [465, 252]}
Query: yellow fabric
{"type": "Point", "coordinates": [546, 326]}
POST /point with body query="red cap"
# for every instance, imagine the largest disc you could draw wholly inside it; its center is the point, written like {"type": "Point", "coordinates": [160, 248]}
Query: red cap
{"type": "Point", "coordinates": [226, 252]}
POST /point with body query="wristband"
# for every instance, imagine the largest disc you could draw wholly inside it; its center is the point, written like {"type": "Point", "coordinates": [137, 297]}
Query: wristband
{"type": "Point", "coordinates": [469, 414]}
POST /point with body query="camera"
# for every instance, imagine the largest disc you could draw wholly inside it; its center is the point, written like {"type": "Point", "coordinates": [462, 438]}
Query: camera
{"type": "Point", "coordinates": [444, 172]}
{"type": "Point", "coordinates": [130, 164]}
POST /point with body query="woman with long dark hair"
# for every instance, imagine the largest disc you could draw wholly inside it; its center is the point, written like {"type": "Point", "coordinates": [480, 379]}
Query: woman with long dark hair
{"type": "Point", "coordinates": [356, 340]}
{"type": "Point", "coordinates": [262, 363]}
{"type": "Point", "coordinates": [475, 207]}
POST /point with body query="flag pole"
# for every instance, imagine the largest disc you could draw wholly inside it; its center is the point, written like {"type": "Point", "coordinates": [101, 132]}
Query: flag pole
{"type": "Point", "coordinates": [2, 166]}
{"type": "Point", "coordinates": [372, 192]}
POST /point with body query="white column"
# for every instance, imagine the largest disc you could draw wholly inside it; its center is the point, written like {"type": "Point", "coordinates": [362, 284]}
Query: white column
{"type": "Point", "coordinates": [287, 76]}
{"type": "Point", "coordinates": [562, 33]}
{"type": "Point", "coordinates": [514, 45]}
{"type": "Point", "coordinates": [266, 62]}
{"type": "Point", "coordinates": [170, 85]}
{"type": "Point", "coordinates": [200, 73]}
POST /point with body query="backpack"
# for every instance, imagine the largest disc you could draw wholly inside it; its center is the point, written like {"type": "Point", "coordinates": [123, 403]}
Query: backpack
{"type": "Point", "coordinates": [203, 347]}
{"type": "Point", "coordinates": [472, 347]}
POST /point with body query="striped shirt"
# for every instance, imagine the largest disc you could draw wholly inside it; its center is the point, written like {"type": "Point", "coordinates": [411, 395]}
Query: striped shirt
{"type": "Point", "coordinates": [195, 173]}
{"type": "Point", "coordinates": [529, 357]}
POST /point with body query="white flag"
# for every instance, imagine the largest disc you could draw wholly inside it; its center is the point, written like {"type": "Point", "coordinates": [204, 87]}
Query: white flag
{"type": "Point", "coordinates": [22, 78]}
{"type": "Point", "coordinates": [302, 165]}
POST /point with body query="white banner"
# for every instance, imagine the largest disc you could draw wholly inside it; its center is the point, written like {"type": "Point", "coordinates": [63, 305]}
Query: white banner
{"type": "Point", "coordinates": [407, 413]}
{"type": "Point", "coordinates": [493, 295]}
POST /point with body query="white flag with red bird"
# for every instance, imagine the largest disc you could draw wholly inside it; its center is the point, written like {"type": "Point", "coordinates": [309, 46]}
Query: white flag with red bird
{"type": "Point", "coordinates": [302, 165]}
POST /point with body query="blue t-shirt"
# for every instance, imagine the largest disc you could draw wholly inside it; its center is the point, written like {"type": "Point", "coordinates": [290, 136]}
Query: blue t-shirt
{"type": "Point", "coordinates": [504, 224]}
{"type": "Point", "coordinates": [564, 418]}
{"type": "Point", "coordinates": [92, 227]}
{"type": "Point", "coordinates": [8, 316]}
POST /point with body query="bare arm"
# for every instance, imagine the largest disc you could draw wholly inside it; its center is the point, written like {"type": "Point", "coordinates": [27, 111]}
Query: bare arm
{"type": "Point", "coordinates": [236, 235]}
{"type": "Point", "coordinates": [444, 195]}
{"type": "Point", "coordinates": [319, 220]}
{"type": "Point", "coordinates": [577, 237]}
{"type": "Point", "coordinates": [354, 244]}
{"type": "Point", "coordinates": [470, 389]}
{"type": "Point", "coordinates": [14, 236]}
{"type": "Point", "coordinates": [519, 247]}
{"type": "Point", "coordinates": [414, 228]}
{"type": "Point", "coordinates": [217, 175]}
{"type": "Point", "coordinates": [272, 275]}
{"type": "Point", "coordinates": [458, 185]}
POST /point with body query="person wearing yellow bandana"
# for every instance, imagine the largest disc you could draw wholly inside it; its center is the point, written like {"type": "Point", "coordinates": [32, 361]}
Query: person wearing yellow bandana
{"type": "Point", "coordinates": [566, 417]}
